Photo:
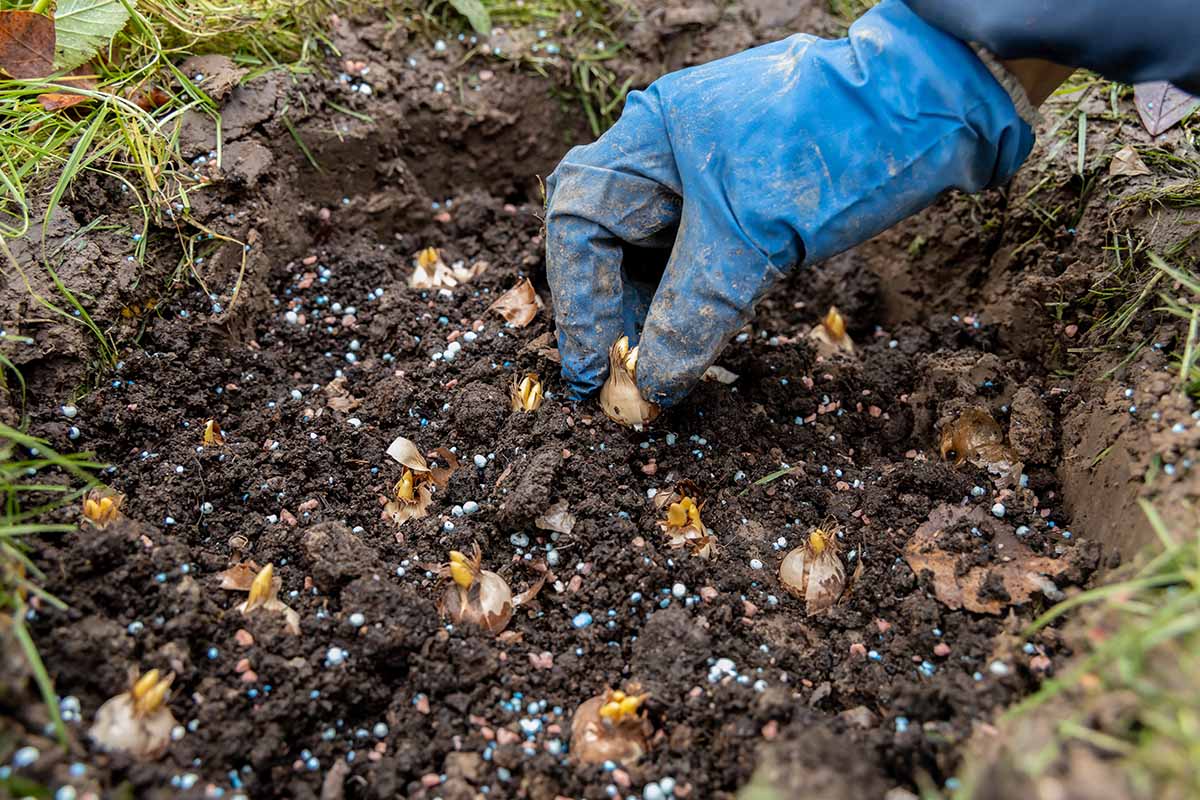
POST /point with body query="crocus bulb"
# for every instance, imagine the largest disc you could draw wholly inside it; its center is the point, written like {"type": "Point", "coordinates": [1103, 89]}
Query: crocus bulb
{"type": "Point", "coordinates": [431, 272]}
{"type": "Point", "coordinates": [527, 393]}
{"type": "Point", "coordinates": [976, 437]}
{"type": "Point", "coordinates": [475, 595]}
{"type": "Point", "coordinates": [814, 571]}
{"type": "Point", "coordinates": [264, 591]}
{"type": "Point", "coordinates": [137, 722]}
{"type": "Point", "coordinates": [619, 397]}
{"type": "Point", "coordinates": [412, 493]}
{"type": "Point", "coordinates": [212, 434]}
{"type": "Point", "coordinates": [683, 525]}
{"type": "Point", "coordinates": [611, 727]}
{"type": "Point", "coordinates": [830, 337]}
{"type": "Point", "coordinates": [102, 508]}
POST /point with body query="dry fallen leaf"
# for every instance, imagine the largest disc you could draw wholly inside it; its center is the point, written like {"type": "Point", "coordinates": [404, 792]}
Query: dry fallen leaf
{"type": "Point", "coordinates": [1016, 574]}
{"type": "Point", "coordinates": [340, 398]}
{"type": "Point", "coordinates": [1161, 105]}
{"type": "Point", "coordinates": [719, 375]}
{"type": "Point", "coordinates": [1127, 162]}
{"type": "Point", "coordinates": [58, 101]}
{"type": "Point", "coordinates": [26, 44]}
{"type": "Point", "coordinates": [519, 305]}
{"type": "Point", "coordinates": [557, 517]}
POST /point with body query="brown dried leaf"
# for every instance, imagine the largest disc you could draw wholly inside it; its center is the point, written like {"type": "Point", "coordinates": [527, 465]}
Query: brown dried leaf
{"type": "Point", "coordinates": [150, 99]}
{"type": "Point", "coordinates": [57, 101]}
{"type": "Point", "coordinates": [220, 74]}
{"type": "Point", "coordinates": [1020, 573]}
{"type": "Point", "coordinates": [340, 398]}
{"type": "Point", "coordinates": [519, 305]}
{"type": "Point", "coordinates": [26, 44]}
{"type": "Point", "coordinates": [557, 517]}
{"type": "Point", "coordinates": [239, 577]}
{"type": "Point", "coordinates": [1127, 162]}
{"type": "Point", "coordinates": [1161, 105]}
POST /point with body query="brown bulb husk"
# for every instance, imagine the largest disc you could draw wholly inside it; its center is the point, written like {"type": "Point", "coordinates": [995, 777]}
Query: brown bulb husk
{"type": "Point", "coordinates": [121, 727]}
{"type": "Point", "coordinates": [817, 577]}
{"type": "Point", "coordinates": [975, 436]}
{"type": "Point", "coordinates": [619, 397]}
{"type": "Point", "coordinates": [557, 517]}
{"type": "Point", "coordinates": [595, 740]}
{"type": "Point", "coordinates": [519, 305]}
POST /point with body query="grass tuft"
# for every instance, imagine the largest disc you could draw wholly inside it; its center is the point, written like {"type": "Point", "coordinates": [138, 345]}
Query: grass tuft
{"type": "Point", "coordinates": [27, 497]}
{"type": "Point", "coordinates": [1143, 653]}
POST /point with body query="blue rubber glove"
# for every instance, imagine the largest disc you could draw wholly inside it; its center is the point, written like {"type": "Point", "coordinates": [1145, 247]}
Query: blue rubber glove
{"type": "Point", "coordinates": [751, 165]}
{"type": "Point", "coordinates": [1150, 40]}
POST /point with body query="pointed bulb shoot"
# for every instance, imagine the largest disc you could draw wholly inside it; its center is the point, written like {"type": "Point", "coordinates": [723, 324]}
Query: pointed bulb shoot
{"type": "Point", "coordinates": [428, 258]}
{"type": "Point", "coordinates": [830, 338]}
{"type": "Point", "coordinates": [153, 693]}
{"type": "Point", "coordinates": [834, 324]}
{"type": "Point", "coordinates": [212, 434]}
{"type": "Point", "coordinates": [527, 394]}
{"type": "Point", "coordinates": [101, 509]}
{"type": "Point", "coordinates": [260, 589]}
{"type": "Point", "coordinates": [144, 684]}
{"type": "Point", "coordinates": [460, 570]}
{"type": "Point", "coordinates": [404, 487]}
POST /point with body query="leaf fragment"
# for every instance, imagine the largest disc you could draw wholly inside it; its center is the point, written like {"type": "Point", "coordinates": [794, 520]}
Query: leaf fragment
{"type": "Point", "coordinates": [26, 44]}
{"type": "Point", "coordinates": [959, 582]}
{"type": "Point", "coordinates": [1161, 106]}
{"type": "Point", "coordinates": [1127, 162]}
{"type": "Point", "coordinates": [476, 14]}
{"type": "Point", "coordinates": [83, 27]}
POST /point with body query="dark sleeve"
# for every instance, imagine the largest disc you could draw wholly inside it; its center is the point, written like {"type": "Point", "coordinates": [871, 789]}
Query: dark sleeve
{"type": "Point", "coordinates": [1125, 40]}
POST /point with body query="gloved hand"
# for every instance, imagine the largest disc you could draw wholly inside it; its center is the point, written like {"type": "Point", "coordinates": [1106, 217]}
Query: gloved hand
{"type": "Point", "coordinates": [751, 165]}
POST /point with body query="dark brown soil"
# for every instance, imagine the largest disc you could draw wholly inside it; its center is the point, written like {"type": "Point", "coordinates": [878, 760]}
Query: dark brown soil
{"type": "Point", "coordinates": [880, 691]}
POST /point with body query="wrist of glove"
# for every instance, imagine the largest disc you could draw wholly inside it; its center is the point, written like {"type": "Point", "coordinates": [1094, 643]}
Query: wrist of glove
{"type": "Point", "coordinates": [749, 166]}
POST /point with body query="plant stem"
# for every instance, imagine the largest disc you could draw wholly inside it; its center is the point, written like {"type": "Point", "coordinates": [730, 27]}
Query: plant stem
{"type": "Point", "coordinates": [40, 6]}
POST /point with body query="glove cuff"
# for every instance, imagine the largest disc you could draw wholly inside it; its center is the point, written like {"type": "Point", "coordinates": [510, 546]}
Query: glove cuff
{"type": "Point", "coordinates": [1011, 84]}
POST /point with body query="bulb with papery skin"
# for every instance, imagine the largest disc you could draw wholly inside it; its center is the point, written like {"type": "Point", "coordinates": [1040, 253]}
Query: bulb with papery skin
{"type": "Point", "coordinates": [475, 595]}
{"type": "Point", "coordinates": [814, 571]}
{"type": "Point", "coordinates": [137, 722]}
{"type": "Point", "coordinates": [830, 338]}
{"type": "Point", "coordinates": [611, 727]}
{"type": "Point", "coordinates": [619, 397]}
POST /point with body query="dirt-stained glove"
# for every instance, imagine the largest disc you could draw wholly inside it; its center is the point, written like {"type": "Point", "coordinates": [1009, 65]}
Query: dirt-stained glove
{"type": "Point", "coordinates": [751, 165]}
{"type": "Point", "coordinates": [1150, 40]}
